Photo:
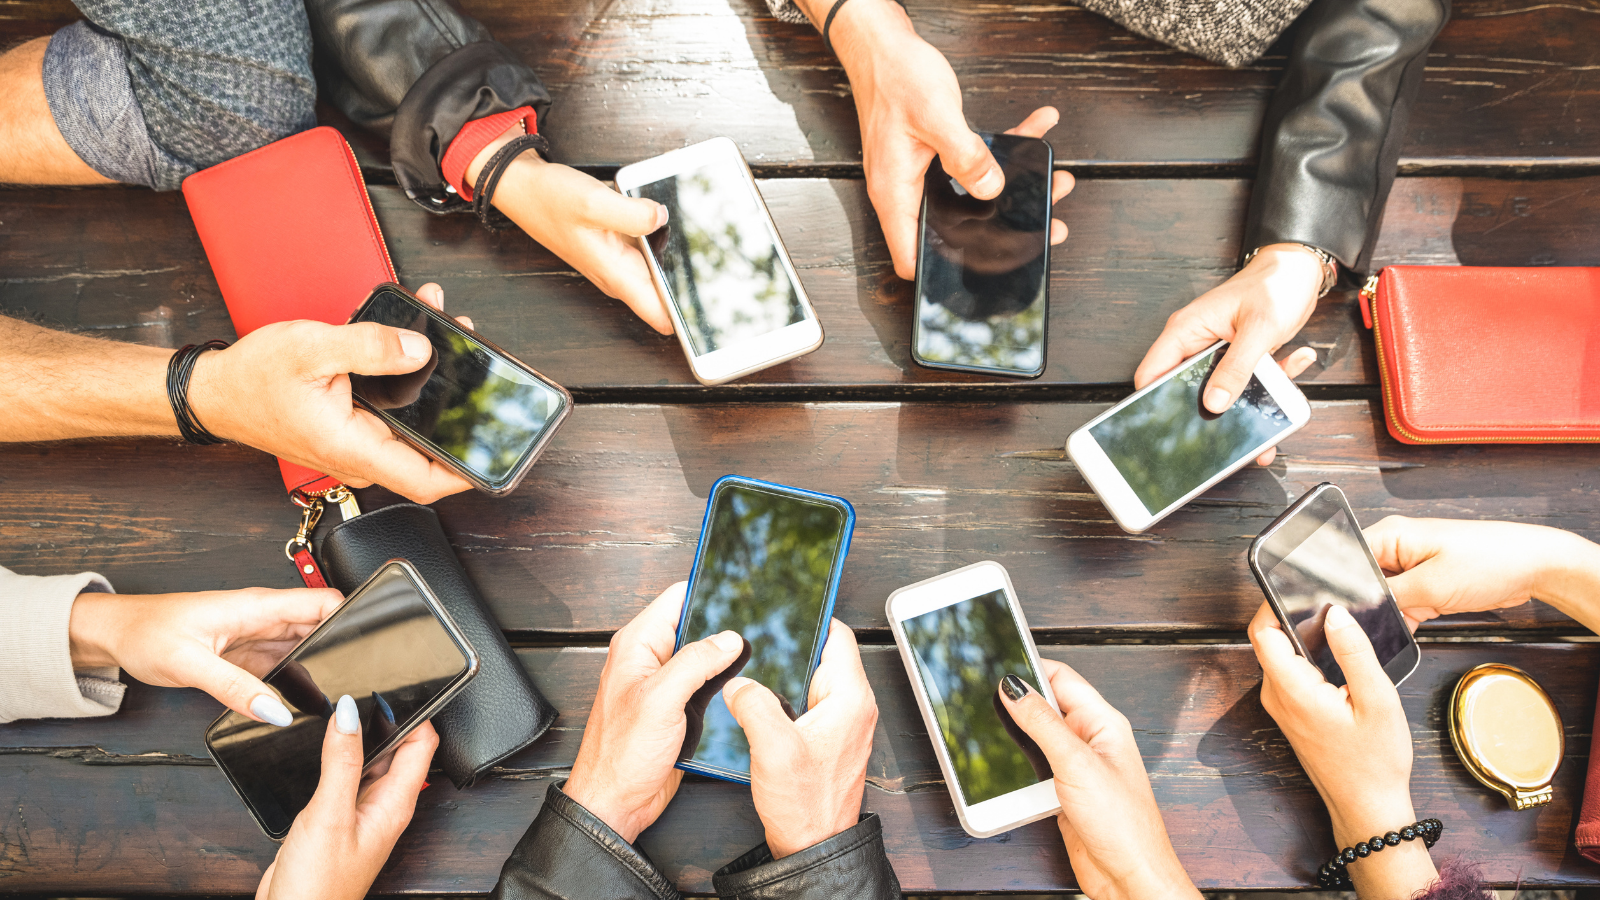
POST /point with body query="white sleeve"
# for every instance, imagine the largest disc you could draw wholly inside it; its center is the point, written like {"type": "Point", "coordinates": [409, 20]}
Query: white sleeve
{"type": "Point", "coordinates": [37, 680]}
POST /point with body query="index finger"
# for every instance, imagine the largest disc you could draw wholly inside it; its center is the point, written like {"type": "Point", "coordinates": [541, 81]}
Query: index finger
{"type": "Point", "coordinates": [399, 467]}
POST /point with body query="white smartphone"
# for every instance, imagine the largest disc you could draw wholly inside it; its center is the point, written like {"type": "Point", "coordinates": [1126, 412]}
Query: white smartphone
{"type": "Point", "coordinates": [1161, 448]}
{"type": "Point", "coordinates": [719, 264]}
{"type": "Point", "coordinates": [959, 634]}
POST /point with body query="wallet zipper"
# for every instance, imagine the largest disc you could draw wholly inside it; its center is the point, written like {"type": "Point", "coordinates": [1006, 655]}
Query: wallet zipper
{"type": "Point", "coordinates": [1369, 295]}
{"type": "Point", "coordinates": [372, 219]}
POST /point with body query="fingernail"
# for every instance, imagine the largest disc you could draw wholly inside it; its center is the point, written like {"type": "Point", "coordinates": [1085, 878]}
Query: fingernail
{"type": "Point", "coordinates": [271, 710]}
{"type": "Point", "coordinates": [1014, 687]}
{"type": "Point", "coordinates": [416, 346]}
{"type": "Point", "coordinates": [991, 182]}
{"type": "Point", "coordinates": [728, 641]}
{"type": "Point", "coordinates": [1218, 400]}
{"type": "Point", "coordinates": [346, 717]}
{"type": "Point", "coordinates": [661, 214]}
{"type": "Point", "coordinates": [1338, 617]}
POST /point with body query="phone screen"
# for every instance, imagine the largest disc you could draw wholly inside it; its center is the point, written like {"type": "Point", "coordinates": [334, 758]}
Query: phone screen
{"type": "Point", "coordinates": [1165, 443]}
{"type": "Point", "coordinates": [984, 264]}
{"type": "Point", "coordinates": [723, 268]}
{"type": "Point", "coordinates": [767, 569]}
{"type": "Point", "coordinates": [962, 651]}
{"type": "Point", "coordinates": [469, 402]}
{"type": "Point", "coordinates": [385, 648]}
{"type": "Point", "coordinates": [1317, 559]}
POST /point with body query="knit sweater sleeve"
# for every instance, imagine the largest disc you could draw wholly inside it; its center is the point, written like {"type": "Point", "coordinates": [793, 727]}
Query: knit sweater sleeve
{"type": "Point", "coordinates": [787, 11]}
{"type": "Point", "coordinates": [37, 680]}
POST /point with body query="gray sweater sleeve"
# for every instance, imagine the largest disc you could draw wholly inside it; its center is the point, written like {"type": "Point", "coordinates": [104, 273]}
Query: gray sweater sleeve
{"type": "Point", "coordinates": [37, 680]}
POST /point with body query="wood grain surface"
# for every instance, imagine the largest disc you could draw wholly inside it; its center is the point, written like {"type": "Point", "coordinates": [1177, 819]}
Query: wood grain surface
{"type": "Point", "coordinates": [132, 803]}
{"type": "Point", "coordinates": [611, 514]}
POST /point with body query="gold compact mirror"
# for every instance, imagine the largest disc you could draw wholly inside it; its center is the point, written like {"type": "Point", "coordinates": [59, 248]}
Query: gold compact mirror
{"type": "Point", "coordinates": [1507, 733]}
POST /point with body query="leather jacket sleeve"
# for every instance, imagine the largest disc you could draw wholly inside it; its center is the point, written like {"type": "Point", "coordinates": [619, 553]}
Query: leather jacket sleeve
{"type": "Point", "coordinates": [850, 864]}
{"type": "Point", "coordinates": [1331, 140]}
{"type": "Point", "coordinates": [568, 854]}
{"type": "Point", "coordinates": [417, 71]}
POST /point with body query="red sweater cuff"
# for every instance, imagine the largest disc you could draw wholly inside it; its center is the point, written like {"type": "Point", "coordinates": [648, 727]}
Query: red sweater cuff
{"type": "Point", "coordinates": [473, 137]}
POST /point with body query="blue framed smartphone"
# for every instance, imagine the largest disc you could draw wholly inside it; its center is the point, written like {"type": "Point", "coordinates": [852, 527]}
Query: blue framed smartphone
{"type": "Point", "coordinates": [768, 567]}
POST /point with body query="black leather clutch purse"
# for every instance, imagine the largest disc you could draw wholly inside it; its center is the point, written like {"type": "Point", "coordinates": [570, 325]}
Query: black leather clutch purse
{"type": "Point", "coordinates": [500, 711]}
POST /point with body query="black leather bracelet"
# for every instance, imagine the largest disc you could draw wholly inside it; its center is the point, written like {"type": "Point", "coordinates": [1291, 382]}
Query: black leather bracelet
{"type": "Point", "coordinates": [1334, 874]}
{"type": "Point", "coordinates": [489, 178]}
{"type": "Point", "coordinates": [827, 23]}
{"type": "Point", "coordinates": [179, 369]}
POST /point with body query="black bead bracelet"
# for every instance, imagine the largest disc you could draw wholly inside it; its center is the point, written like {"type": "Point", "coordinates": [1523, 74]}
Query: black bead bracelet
{"type": "Point", "coordinates": [1334, 874]}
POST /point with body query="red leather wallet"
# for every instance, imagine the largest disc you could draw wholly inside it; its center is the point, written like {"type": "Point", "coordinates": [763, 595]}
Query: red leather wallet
{"type": "Point", "coordinates": [290, 234]}
{"type": "Point", "coordinates": [1473, 355]}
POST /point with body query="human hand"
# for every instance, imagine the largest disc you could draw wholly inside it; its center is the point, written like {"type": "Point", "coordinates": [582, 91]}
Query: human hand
{"type": "Point", "coordinates": [807, 775]}
{"type": "Point", "coordinates": [285, 388]}
{"type": "Point", "coordinates": [1259, 309]}
{"type": "Point", "coordinates": [624, 773]}
{"type": "Point", "coordinates": [909, 104]}
{"type": "Point", "coordinates": [590, 226]}
{"type": "Point", "coordinates": [345, 834]}
{"type": "Point", "coordinates": [1440, 566]}
{"type": "Point", "coordinates": [221, 642]}
{"type": "Point", "coordinates": [1109, 820]}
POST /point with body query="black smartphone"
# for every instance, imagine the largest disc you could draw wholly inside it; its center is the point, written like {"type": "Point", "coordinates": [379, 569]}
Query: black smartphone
{"type": "Point", "coordinates": [983, 267]}
{"type": "Point", "coordinates": [1313, 557]}
{"type": "Point", "coordinates": [473, 407]}
{"type": "Point", "coordinates": [392, 647]}
{"type": "Point", "coordinates": [768, 567]}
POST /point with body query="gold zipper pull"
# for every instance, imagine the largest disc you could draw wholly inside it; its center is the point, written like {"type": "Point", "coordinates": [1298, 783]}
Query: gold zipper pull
{"type": "Point", "coordinates": [346, 499]}
{"type": "Point", "coordinates": [1370, 289]}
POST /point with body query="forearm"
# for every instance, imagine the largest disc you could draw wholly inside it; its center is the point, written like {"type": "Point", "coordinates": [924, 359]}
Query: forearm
{"type": "Point", "coordinates": [1570, 580]}
{"type": "Point", "coordinates": [58, 386]}
{"type": "Point", "coordinates": [859, 27]}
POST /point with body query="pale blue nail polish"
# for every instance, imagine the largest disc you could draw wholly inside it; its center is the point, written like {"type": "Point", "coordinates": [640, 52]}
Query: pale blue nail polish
{"type": "Point", "coordinates": [346, 717]}
{"type": "Point", "coordinates": [271, 710]}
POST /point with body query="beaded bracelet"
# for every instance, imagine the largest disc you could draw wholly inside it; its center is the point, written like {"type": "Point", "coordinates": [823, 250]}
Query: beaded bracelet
{"type": "Point", "coordinates": [1334, 874]}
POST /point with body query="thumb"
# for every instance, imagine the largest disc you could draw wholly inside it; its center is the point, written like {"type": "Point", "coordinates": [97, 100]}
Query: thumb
{"type": "Point", "coordinates": [342, 756]}
{"type": "Point", "coordinates": [367, 348]}
{"type": "Point", "coordinates": [611, 211]}
{"type": "Point", "coordinates": [1232, 373]}
{"type": "Point", "coordinates": [758, 711]}
{"type": "Point", "coordinates": [966, 158]}
{"type": "Point", "coordinates": [235, 688]}
{"type": "Point", "coordinates": [1353, 651]}
{"type": "Point", "coordinates": [692, 666]}
{"type": "Point", "coordinates": [1038, 721]}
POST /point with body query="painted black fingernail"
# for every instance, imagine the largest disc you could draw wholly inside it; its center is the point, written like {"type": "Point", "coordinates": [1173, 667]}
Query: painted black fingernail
{"type": "Point", "coordinates": [1014, 687]}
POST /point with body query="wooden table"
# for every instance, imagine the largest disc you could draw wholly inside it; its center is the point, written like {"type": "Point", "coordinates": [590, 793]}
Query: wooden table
{"type": "Point", "coordinates": [1502, 167]}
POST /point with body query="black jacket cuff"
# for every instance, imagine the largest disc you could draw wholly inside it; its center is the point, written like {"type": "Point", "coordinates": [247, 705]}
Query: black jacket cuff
{"type": "Point", "coordinates": [568, 854]}
{"type": "Point", "coordinates": [850, 864]}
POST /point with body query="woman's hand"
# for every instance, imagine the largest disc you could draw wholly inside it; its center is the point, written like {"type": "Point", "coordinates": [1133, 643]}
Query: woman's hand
{"type": "Point", "coordinates": [1353, 742]}
{"type": "Point", "coordinates": [1261, 308]}
{"type": "Point", "coordinates": [221, 642]}
{"type": "Point", "coordinates": [1109, 820]}
{"type": "Point", "coordinates": [342, 838]}
{"type": "Point", "coordinates": [1442, 566]}
{"type": "Point", "coordinates": [624, 773]}
{"type": "Point", "coordinates": [807, 774]}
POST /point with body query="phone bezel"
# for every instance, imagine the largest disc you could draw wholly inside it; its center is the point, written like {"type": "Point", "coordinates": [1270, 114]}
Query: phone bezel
{"type": "Point", "coordinates": [752, 354]}
{"type": "Point", "coordinates": [447, 694]}
{"type": "Point", "coordinates": [1008, 811]}
{"type": "Point", "coordinates": [1129, 512]}
{"type": "Point", "coordinates": [916, 294]}
{"type": "Point", "coordinates": [1402, 664]}
{"type": "Point", "coordinates": [432, 450]}
{"type": "Point", "coordinates": [848, 530]}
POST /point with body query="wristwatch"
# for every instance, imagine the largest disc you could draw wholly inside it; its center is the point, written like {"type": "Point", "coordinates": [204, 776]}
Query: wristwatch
{"type": "Point", "coordinates": [1330, 266]}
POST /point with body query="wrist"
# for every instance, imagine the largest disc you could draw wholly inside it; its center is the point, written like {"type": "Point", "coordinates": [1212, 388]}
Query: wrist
{"type": "Point", "coordinates": [618, 819]}
{"type": "Point", "coordinates": [783, 844]}
{"type": "Point", "coordinates": [1569, 579]}
{"type": "Point", "coordinates": [91, 631]}
{"type": "Point", "coordinates": [207, 394]}
{"type": "Point", "coordinates": [475, 167]}
{"type": "Point", "coordinates": [863, 29]}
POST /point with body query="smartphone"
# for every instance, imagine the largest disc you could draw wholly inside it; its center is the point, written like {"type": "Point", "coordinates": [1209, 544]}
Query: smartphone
{"type": "Point", "coordinates": [959, 634]}
{"type": "Point", "coordinates": [391, 646]}
{"type": "Point", "coordinates": [1161, 448]}
{"type": "Point", "coordinates": [1313, 557]}
{"type": "Point", "coordinates": [735, 299]}
{"type": "Point", "coordinates": [983, 266]}
{"type": "Point", "coordinates": [768, 567]}
{"type": "Point", "coordinates": [473, 407]}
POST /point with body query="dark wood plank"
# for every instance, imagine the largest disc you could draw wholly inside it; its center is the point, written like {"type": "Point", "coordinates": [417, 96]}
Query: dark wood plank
{"type": "Point", "coordinates": [128, 264]}
{"type": "Point", "coordinates": [131, 804]}
{"type": "Point", "coordinates": [612, 512]}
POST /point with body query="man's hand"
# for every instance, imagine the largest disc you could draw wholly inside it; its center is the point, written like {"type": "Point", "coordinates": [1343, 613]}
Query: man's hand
{"type": "Point", "coordinates": [624, 773]}
{"type": "Point", "coordinates": [807, 774]}
{"type": "Point", "coordinates": [221, 642]}
{"type": "Point", "coordinates": [285, 389]}
{"type": "Point", "coordinates": [342, 838]}
{"type": "Point", "coordinates": [909, 104]}
{"type": "Point", "coordinates": [1109, 821]}
{"type": "Point", "coordinates": [1259, 309]}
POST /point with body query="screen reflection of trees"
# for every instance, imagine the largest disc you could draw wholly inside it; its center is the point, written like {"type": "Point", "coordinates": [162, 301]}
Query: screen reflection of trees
{"type": "Point", "coordinates": [962, 652]}
{"type": "Point", "coordinates": [718, 259]}
{"type": "Point", "coordinates": [765, 573]}
{"type": "Point", "coordinates": [1166, 444]}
